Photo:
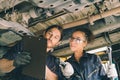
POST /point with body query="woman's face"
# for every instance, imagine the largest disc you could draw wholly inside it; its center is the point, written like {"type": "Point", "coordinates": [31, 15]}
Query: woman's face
{"type": "Point", "coordinates": [78, 41]}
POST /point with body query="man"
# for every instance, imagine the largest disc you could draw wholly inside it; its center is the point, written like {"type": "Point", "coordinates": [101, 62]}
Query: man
{"type": "Point", "coordinates": [53, 34]}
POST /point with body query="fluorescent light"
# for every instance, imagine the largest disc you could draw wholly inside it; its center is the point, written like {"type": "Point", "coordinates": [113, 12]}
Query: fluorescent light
{"type": "Point", "coordinates": [98, 50]}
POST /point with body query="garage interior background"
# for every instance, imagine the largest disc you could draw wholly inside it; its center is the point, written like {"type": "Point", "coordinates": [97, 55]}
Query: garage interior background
{"type": "Point", "coordinates": [101, 16]}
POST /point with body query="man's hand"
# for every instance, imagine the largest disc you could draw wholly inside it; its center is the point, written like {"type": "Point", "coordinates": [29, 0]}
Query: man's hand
{"type": "Point", "coordinates": [66, 69]}
{"type": "Point", "coordinates": [22, 58]}
{"type": "Point", "coordinates": [112, 72]}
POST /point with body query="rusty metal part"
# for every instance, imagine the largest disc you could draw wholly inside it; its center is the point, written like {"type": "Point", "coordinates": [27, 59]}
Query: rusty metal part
{"type": "Point", "coordinates": [92, 18]}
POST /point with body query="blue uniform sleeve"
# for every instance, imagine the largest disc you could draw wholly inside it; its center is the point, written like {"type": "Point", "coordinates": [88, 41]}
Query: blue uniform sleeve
{"type": "Point", "coordinates": [53, 64]}
{"type": "Point", "coordinates": [101, 69]}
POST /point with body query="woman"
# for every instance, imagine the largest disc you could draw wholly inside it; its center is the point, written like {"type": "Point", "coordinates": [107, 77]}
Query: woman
{"type": "Point", "coordinates": [86, 66]}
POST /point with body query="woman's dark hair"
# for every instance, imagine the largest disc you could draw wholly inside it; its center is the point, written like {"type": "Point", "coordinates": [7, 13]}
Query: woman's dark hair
{"type": "Point", "coordinates": [58, 27]}
{"type": "Point", "coordinates": [88, 33]}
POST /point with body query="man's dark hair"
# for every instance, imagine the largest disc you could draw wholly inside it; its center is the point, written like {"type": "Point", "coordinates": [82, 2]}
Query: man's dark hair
{"type": "Point", "coordinates": [58, 27]}
{"type": "Point", "coordinates": [88, 33]}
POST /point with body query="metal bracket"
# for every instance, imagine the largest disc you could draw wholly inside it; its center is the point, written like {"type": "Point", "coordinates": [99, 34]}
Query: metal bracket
{"type": "Point", "coordinates": [107, 38]}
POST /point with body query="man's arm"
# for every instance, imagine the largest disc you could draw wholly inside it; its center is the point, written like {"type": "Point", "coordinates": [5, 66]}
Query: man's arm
{"type": "Point", "coordinates": [50, 75]}
{"type": "Point", "coordinates": [6, 65]}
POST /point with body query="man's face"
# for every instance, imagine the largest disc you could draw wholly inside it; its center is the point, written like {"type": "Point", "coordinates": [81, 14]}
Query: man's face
{"type": "Point", "coordinates": [53, 36]}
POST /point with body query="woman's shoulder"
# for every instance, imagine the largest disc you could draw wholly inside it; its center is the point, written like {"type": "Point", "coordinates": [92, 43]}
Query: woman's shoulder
{"type": "Point", "coordinates": [92, 54]}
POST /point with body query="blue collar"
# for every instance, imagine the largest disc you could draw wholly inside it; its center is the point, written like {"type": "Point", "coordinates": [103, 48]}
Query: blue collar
{"type": "Point", "coordinates": [85, 55]}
